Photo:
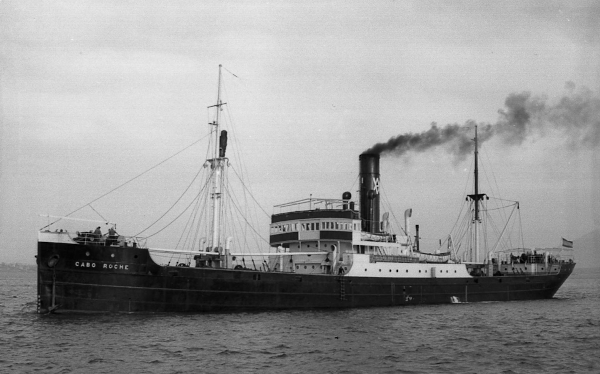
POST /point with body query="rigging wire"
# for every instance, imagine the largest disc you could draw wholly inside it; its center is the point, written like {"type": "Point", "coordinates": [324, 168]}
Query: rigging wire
{"type": "Point", "coordinates": [90, 205]}
{"type": "Point", "coordinates": [238, 229]}
{"type": "Point", "coordinates": [495, 184]}
{"type": "Point", "coordinates": [250, 192]}
{"type": "Point", "coordinates": [464, 204]}
{"type": "Point", "coordinates": [389, 205]}
{"type": "Point", "coordinates": [231, 72]}
{"type": "Point", "coordinates": [193, 241]}
{"type": "Point", "coordinates": [189, 224]}
{"type": "Point", "coordinates": [228, 118]}
{"type": "Point", "coordinates": [130, 180]}
{"type": "Point", "coordinates": [176, 218]}
{"type": "Point", "coordinates": [501, 207]}
{"type": "Point", "coordinates": [242, 175]}
{"type": "Point", "coordinates": [243, 217]}
{"type": "Point", "coordinates": [175, 203]}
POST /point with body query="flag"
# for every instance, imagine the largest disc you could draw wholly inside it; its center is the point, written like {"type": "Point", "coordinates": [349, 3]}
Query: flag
{"type": "Point", "coordinates": [567, 243]}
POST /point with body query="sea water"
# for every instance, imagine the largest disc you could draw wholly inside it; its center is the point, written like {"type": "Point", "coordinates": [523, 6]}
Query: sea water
{"type": "Point", "coordinates": [561, 335]}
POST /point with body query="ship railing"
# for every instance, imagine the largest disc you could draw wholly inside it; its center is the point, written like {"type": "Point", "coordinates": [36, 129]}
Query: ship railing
{"type": "Point", "coordinates": [89, 238]}
{"type": "Point", "coordinates": [278, 261]}
{"type": "Point", "coordinates": [312, 203]}
{"type": "Point", "coordinates": [392, 258]}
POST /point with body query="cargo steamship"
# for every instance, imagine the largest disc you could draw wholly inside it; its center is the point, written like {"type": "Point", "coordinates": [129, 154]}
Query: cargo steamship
{"type": "Point", "coordinates": [325, 253]}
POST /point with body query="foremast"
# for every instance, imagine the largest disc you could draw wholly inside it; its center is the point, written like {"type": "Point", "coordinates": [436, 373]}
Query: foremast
{"type": "Point", "coordinates": [217, 163]}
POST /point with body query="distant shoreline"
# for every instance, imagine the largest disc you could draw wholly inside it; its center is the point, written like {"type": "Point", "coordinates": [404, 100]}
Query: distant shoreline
{"type": "Point", "coordinates": [17, 266]}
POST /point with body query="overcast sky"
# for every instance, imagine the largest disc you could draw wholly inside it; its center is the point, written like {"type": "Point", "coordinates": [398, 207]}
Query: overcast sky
{"type": "Point", "coordinates": [95, 92]}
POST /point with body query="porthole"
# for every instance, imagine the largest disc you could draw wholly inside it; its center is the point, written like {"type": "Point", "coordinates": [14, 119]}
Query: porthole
{"type": "Point", "coordinates": [297, 267]}
{"type": "Point", "coordinates": [87, 253]}
{"type": "Point", "coordinates": [313, 266]}
{"type": "Point", "coordinates": [419, 271]}
{"type": "Point", "coordinates": [365, 269]}
{"type": "Point", "coordinates": [407, 270]}
{"type": "Point", "coordinates": [112, 255]}
{"type": "Point", "coordinates": [305, 266]}
{"type": "Point", "coordinates": [396, 270]}
{"type": "Point", "coordinates": [455, 271]}
{"type": "Point", "coordinates": [380, 270]}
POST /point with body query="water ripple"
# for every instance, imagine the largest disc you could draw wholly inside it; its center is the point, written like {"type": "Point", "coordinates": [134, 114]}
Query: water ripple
{"type": "Point", "coordinates": [559, 336]}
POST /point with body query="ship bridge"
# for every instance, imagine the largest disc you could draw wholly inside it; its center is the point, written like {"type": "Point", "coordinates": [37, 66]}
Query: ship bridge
{"type": "Point", "coordinates": [317, 224]}
{"type": "Point", "coordinates": [314, 224]}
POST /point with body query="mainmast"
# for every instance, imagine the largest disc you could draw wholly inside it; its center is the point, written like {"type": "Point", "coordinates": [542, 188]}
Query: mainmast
{"type": "Point", "coordinates": [217, 165]}
{"type": "Point", "coordinates": [476, 197]}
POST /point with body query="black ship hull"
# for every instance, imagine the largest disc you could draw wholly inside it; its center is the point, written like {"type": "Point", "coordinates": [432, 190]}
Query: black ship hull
{"type": "Point", "coordinates": [89, 278]}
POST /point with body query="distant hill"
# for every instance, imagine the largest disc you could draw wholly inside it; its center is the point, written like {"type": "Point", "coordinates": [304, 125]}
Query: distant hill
{"type": "Point", "coordinates": [587, 250]}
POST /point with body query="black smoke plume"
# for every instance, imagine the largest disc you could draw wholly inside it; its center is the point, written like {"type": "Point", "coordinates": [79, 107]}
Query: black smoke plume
{"type": "Point", "coordinates": [576, 116]}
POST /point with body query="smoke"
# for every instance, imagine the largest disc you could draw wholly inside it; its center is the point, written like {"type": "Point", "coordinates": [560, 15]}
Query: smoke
{"type": "Point", "coordinates": [576, 117]}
